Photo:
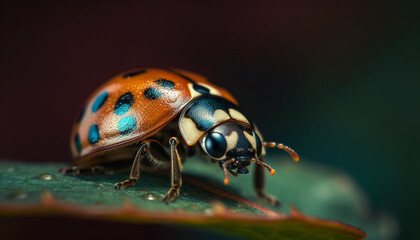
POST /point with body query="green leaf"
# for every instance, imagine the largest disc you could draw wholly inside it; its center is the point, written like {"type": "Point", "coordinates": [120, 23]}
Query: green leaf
{"type": "Point", "coordinates": [204, 201]}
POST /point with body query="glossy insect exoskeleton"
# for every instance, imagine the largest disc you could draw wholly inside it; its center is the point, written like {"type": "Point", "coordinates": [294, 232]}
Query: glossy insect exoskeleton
{"type": "Point", "coordinates": [157, 117]}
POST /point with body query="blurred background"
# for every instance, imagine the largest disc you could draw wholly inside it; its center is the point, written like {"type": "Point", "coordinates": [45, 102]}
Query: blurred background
{"type": "Point", "coordinates": [337, 82]}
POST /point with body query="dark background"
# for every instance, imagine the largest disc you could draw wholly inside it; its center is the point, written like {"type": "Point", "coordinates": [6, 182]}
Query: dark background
{"type": "Point", "coordinates": [337, 82]}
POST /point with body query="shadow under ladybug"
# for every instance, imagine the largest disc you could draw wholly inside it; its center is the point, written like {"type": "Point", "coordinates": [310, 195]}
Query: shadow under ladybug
{"type": "Point", "coordinates": [160, 117]}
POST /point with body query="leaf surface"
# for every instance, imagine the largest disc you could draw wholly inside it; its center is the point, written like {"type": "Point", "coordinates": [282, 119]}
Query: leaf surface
{"type": "Point", "coordinates": [204, 202]}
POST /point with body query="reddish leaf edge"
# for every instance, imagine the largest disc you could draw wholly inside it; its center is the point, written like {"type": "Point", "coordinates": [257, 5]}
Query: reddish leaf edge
{"type": "Point", "coordinates": [217, 191]}
{"type": "Point", "coordinates": [51, 206]}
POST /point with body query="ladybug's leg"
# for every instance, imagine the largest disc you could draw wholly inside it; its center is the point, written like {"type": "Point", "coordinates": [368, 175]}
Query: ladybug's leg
{"type": "Point", "coordinates": [135, 169]}
{"type": "Point", "coordinates": [259, 184]}
{"type": "Point", "coordinates": [156, 155]}
{"type": "Point", "coordinates": [176, 167]}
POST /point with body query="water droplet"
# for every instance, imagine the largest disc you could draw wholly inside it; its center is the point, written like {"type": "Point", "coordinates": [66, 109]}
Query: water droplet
{"type": "Point", "coordinates": [11, 169]}
{"type": "Point", "coordinates": [18, 195]}
{"type": "Point", "coordinates": [208, 211]}
{"type": "Point", "coordinates": [47, 177]}
{"type": "Point", "coordinates": [99, 185]}
{"type": "Point", "coordinates": [150, 196]}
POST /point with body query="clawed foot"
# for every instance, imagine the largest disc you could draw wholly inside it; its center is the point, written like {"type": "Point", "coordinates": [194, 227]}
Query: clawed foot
{"type": "Point", "coordinates": [270, 199]}
{"type": "Point", "coordinates": [82, 170]}
{"type": "Point", "coordinates": [124, 184]}
{"type": "Point", "coordinates": [171, 195]}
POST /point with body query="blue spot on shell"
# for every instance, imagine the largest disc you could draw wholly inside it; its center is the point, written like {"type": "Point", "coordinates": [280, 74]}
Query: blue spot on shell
{"type": "Point", "coordinates": [93, 135]}
{"type": "Point", "coordinates": [77, 143]}
{"type": "Point", "coordinates": [126, 125]}
{"type": "Point", "coordinates": [99, 101]}
{"type": "Point", "coordinates": [124, 103]}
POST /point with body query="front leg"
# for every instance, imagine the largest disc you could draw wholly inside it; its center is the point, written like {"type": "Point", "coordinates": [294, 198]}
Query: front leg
{"type": "Point", "coordinates": [176, 167]}
{"type": "Point", "coordinates": [259, 185]}
{"type": "Point", "coordinates": [135, 169]}
{"type": "Point", "coordinates": [151, 152]}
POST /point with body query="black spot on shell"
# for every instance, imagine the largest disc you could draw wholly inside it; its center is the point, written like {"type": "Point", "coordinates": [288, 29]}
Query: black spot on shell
{"type": "Point", "coordinates": [165, 83]}
{"type": "Point", "coordinates": [132, 74]}
{"type": "Point", "coordinates": [201, 89]}
{"type": "Point", "coordinates": [124, 103]}
{"type": "Point", "coordinates": [152, 93]}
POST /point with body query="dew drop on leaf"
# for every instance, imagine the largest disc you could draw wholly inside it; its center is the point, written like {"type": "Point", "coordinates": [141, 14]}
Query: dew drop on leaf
{"type": "Point", "coordinates": [47, 177]}
{"type": "Point", "coordinates": [150, 196]}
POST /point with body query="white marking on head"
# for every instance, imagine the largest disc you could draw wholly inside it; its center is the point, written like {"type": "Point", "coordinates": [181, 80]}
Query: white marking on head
{"type": "Point", "coordinates": [232, 140]}
{"type": "Point", "coordinates": [251, 139]}
{"type": "Point", "coordinates": [237, 115]}
{"type": "Point", "coordinates": [221, 115]}
{"type": "Point", "coordinates": [257, 131]}
{"type": "Point", "coordinates": [190, 131]}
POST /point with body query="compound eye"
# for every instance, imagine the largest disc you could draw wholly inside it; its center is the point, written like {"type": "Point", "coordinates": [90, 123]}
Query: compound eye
{"type": "Point", "coordinates": [258, 143]}
{"type": "Point", "coordinates": [215, 145]}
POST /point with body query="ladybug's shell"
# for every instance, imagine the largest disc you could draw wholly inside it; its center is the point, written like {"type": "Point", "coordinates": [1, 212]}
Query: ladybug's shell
{"type": "Point", "coordinates": [133, 106]}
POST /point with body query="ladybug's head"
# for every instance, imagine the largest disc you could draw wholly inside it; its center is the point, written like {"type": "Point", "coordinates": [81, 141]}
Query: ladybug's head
{"type": "Point", "coordinates": [234, 145]}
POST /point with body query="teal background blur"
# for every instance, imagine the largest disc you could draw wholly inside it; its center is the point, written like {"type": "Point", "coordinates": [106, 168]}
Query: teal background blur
{"type": "Point", "coordinates": [337, 82]}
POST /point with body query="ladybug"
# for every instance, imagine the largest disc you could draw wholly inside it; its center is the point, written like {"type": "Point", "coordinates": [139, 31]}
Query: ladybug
{"type": "Point", "coordinates": [158, 117]}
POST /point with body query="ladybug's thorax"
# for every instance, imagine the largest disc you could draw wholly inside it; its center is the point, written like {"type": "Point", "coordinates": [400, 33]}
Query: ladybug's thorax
{"type": "Point", "coordinates": [232, 141]}
{"type": "Point", "coordinates": [206, 112]}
